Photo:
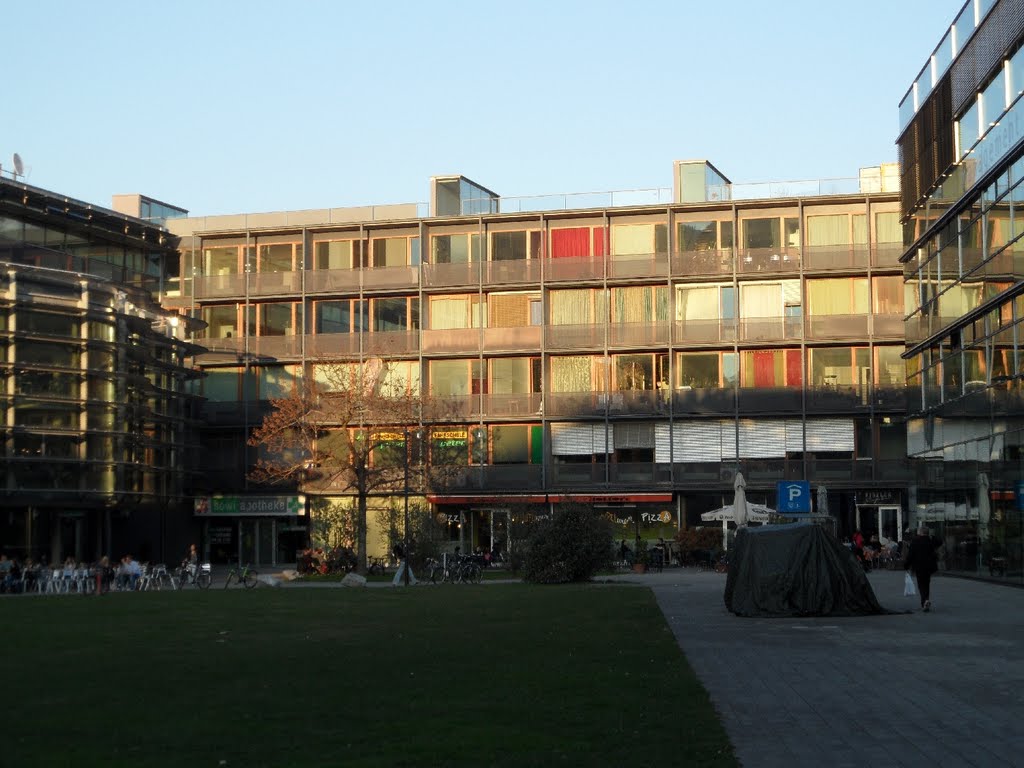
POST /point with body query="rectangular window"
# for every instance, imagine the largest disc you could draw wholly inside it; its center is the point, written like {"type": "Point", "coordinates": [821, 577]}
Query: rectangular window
{"type": "Point", "coordinates": [763, 368]}
{"type": "Point", "coordinates": [456, 249]}
{"type": "Point", "coordinates": [392, 314]}
{"type": "Point", "coordinates": [576, 374]}
{"type": "Point", "coordinates": [568, 242]}
{"type": "Point", "coordinates": [698, 303]}
{"type": "Point", "coordinates": [698, 236]}
{"type": "Point", "coordinates": [578, 307]}
{"type": "Point", "coordinates": [515, 375]}
{"type": "Point", "coordinates": [508, 310]}
{"type": "Point", "coordinates": [222, 322]}
{"type": "Point", "coordinates": [451, 312]}
{"type": "Point", "coordinates": [640, 304]}
{"type": "Point", "coordinates": [277, 258]}
{"type": "Point", "coordinates": [887, 227]}
{"type": "Point", "coordinates": [762, 233]}
{"type": "Point", "coordinates": [837, 296]}
{"type": "Point", "coordinates": [639, 239]}
{"type": "Point", "coordinates": [343, 316]}
{"type": "Point", "coordinates": [221, 261]}
{"type": "Point", "coordinates": [761, 300]}
{"type": "Point", "coordinates": [390, 252]}
{"type": "Point", "coordinates": [888, 295]}
{"type": "Point", "coordinates": [339, 254]}
{"type": "Point", "coordinates": [449, 378]}
{"type": "Point", "coordinates": [280, 319]}
{"type": "Point", "coordinates": [828, 230]}
{"type": "Point", "coordinates": [510, 246]}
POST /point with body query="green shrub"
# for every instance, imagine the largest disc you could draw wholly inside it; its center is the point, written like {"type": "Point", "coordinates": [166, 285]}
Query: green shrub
{"type": "Point", "coordinates": [572, 544]}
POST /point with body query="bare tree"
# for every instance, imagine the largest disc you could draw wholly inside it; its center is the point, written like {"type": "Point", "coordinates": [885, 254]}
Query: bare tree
{"type": "Point", "coordinates": [347, 430]}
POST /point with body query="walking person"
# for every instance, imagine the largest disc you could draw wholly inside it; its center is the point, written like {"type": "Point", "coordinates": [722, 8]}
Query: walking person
{"type": "Point", "coordinates": [923, 561]}
{"type": "Point", "coordinates": [399, 552]}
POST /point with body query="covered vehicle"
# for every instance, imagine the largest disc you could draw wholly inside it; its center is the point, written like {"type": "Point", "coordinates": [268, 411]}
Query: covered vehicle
{"type": "Point", "coordinates": [796, 570]}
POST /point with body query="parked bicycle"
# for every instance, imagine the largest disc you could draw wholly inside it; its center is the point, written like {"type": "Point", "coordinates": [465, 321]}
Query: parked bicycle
{"type": "Point", "coordinates": [195, 575]}
{"type": "Point", "coordinates": [246, 576]}
{"type": "Point", "coordinates": [460, 569]}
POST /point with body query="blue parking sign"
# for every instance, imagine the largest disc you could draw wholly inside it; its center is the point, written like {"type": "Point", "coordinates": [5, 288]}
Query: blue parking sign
{"type": "Point", "coordinates": [794, 496]}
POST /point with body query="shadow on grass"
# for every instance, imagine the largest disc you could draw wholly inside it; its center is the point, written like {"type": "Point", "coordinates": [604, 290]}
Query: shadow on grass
{"type": "Point", "coordinates": [516, 675]}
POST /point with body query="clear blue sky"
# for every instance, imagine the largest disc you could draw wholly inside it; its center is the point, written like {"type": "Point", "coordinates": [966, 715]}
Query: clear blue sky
{"type": "Point", "coordinates": [228, 106]}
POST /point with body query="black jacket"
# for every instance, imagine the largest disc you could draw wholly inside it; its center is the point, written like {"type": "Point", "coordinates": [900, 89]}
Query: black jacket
{"type": "Point", "coordinates": [921, 557]}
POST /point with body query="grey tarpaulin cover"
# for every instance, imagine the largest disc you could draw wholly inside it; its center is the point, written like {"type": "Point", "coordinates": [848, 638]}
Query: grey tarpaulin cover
{"type": "Point", "coordinates": [796, 570]}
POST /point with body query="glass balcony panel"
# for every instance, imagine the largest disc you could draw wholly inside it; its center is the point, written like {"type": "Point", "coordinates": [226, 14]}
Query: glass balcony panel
{"type": "Point", "coordinates": [330, 344]}
{"type": "Point", "coordinates": [647, 265]}
{"type": "Point", "coordinates": [780, 259]}
{"type": "Point", "coordinates": [578, 474]}
{"type": "Point", "coordinates": [450, 340]}
{"type": "Point", "coordinates": [512, 477]}
{"type": "Point", "coordinates": [451, 275]}
{"type": "Point", "coordinates": [385, 343]}
{"type": "Point", "coordinates": [219, 286]}
{"type": "Point", "coordinates": [573, 336]}
{"type": "Point", "coordinates": [769, 328]}
{"type": "Point", "coordinates": [515, 339]}
{"type": "Point", "coordinates": [836, 327]}
{"type": "Point", "coordinates": [390, 277]}
{"type": "Point", "coordinates": [769, 399]}
{"type": "Point", "coordinates": [835, 257]}
{"type": "Point", "coordinates": [573, 269]}
{"type": "Point", "coordinates": [276, 346]}
{"type": "Point", "coordinates": [332, 280]}
{"type": "Point", "coordinates": [568, 404]}
{"type": "Point", "coordinates": [833, 398]}
{"type": "Point", "coordinates": [275, 283]}
{"type": "Point", "coordinates": [887, 325]}
{"type": "Point", "coordinates": [702, 263]}
{"type": "Point", "coordinates": [704, 400]}
{"type": "Point", "coordinates": [527, 404]}
{"type": "Point", "coordinates": [706, 331]}
{"type": "Point", "coordinates": [514, 272]}
{"type": "Point", "coordinates": [637, 473]}
{"type": "Point", "coordinates": [638, 334]}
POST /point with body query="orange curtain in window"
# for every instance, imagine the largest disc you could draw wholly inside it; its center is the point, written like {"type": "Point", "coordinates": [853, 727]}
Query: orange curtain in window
{"type": "Point", "coordinates": [764, 368]}
{"type": "Point", "coordinates": [574, 241]}
{"type": "Point", "coordinates": [794, 377]}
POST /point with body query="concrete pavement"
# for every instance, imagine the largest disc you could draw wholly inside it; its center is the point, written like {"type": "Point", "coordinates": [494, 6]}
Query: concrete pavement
{"type": "Point", "coordinates": [917, 690]}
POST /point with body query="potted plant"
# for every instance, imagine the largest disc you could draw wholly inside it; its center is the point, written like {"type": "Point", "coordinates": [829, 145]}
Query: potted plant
{"type": "Point", "coordinates": [641, 557]}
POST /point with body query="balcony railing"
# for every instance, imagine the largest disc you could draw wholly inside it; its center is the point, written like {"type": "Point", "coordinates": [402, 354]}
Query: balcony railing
{"type": "Point", "coordinates": [649, 334]}
{"type": "Point", "coordinates": [219, 286]}
{"type": "Point", "coordinates": [769, 400]}
{"type": "Point", "coordinates": [702, 263]}
{"type": "Point", "coordinates": [275, 283]}
{"type": "Point", "coordinates": [827, 258]}
{"type": "Point", "coordinates": [450, 341]}
{"type": "Point", "coordinates": [515, 339]}
{"type": "Point", "coordinates": [573, 337]}
{"type": "Point", "coordinates": [772, 260]}
{"type": "Point", "coordinates": [513, 272]}
{"type": "Point", "coordinates": [836, 327]}
{"type": "Point", "coordinates": [691, 332]}
{"type": "Point", "coordinates": [638, 266]}
{"type": "Point", "coordinates": [574, 269]}
{"type": "Point", "coordinates": [513, 405]}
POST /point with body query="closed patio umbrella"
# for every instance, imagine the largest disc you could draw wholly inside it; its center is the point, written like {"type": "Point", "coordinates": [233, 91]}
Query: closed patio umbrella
{"type": "Point", "coordinates": [739, 502]}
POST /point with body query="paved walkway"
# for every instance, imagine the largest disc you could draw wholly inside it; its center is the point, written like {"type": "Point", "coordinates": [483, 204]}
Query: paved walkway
{"type": "Point", "coordinates": [944, 688]}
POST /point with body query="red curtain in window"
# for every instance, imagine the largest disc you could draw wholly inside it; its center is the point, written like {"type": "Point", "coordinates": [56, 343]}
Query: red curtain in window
{"type": "Point", "coordinates": [764, 368]}
{"type": "Point", "coordinates": [600, 238]}
{"type": "Point", "coordinates": [794, 371]}
{"type": "Point", "coordinates": [570, 242]}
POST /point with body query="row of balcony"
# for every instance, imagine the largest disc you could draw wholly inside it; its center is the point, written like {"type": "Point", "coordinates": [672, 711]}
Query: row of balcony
{"type": "Point", "coordinates": [646, 476]}
{"type": "Point", "coordinates": [562, 338]}
{"type": "Point", "coordinates": [713, 263]}
{"type": "Point", "coordinates": [661, 404]}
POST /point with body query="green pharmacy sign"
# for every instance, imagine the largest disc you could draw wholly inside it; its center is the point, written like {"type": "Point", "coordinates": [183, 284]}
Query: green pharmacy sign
{"type": "Point", "coordinates": [250, 506]}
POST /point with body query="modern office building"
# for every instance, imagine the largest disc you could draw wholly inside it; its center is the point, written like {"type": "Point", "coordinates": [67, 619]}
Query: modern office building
{"type": "Point", "coordinates": [98, 428]}
{"type": "Point", "coordinates": [961, 148]}
{"type": "Point", "coordinates": [633, 350]}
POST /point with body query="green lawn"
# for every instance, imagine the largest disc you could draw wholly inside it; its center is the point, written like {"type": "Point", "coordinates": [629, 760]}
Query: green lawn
{"type": "Point", "coordinates": [504, 675]}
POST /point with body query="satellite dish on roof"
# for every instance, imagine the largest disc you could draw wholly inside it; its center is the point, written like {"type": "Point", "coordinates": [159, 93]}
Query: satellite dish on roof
{"type": "Point", "coordinates": [19, 167]}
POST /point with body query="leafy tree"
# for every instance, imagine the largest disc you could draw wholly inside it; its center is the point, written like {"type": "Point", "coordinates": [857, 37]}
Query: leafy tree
{"type": "Point", "coordinates": [348, 430]}
{"type": "Point", "coordinates": [572, 544]}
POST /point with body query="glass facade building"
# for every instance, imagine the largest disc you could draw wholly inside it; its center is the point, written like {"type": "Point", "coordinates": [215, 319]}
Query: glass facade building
{"type": "Point", "coordinates": [962, 170]}
{"type": "Point", "coordinates": [632, 355]}
{"type": "Point", "coordinates": [98, 402]}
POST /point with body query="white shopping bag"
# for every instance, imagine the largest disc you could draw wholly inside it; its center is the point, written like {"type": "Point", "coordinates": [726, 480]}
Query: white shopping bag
{"type": "Point", "coordinates": [909, 590]}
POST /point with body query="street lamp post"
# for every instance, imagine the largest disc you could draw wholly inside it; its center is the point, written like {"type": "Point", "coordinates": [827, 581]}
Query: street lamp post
{"type": "Point", "coordinates": [405, 576]}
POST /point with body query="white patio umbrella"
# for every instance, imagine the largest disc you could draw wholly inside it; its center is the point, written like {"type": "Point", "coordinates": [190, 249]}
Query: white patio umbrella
{"type": "Point", "coordinates": [739, 502]}
{"type": "Point", "coordinates": [756, 513]}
